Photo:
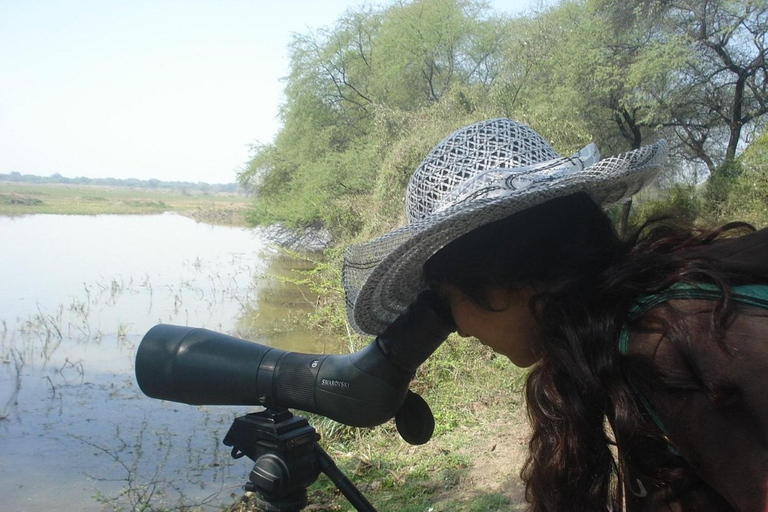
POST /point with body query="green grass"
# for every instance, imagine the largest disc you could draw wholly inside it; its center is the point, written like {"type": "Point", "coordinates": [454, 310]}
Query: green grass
{"type": "Point", "coordinates": [30, 198]}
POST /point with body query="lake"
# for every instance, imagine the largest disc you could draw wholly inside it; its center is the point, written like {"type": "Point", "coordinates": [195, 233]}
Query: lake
{"type": "Point", "coordinates": [77, 293]}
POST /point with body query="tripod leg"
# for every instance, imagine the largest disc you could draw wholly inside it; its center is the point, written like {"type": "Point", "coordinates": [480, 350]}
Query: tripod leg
{"type": "Point", "coordinates": [343, 483]}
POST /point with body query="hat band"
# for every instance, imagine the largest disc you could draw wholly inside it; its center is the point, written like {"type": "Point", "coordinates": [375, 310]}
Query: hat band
{"type": "Point", "coordinates": [502, 182]}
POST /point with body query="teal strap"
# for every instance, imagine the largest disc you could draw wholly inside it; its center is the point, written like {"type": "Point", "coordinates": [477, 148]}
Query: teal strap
{"type": "Point", "coordinates": [752, 295]}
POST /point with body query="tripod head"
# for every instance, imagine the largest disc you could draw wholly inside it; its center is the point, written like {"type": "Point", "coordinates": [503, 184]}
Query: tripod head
{"type": "Point", "coordinates": [283, 448]}
{"type": "Point", "coordinates": [287, 460]}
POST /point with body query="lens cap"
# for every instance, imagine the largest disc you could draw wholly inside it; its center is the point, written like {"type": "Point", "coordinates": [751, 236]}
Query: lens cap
{"type": "Point", "coordinates": [415, 422]}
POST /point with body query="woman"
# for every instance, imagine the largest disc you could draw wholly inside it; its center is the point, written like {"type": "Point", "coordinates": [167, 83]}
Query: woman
{"type": "Point", "coordinates": [662, 336]}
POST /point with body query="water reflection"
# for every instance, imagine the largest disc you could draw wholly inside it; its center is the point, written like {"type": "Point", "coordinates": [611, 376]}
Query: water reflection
{"type": "Point", "coordinates": [275, 317]}
{"type": "Point", "coordinates": [76, 295]}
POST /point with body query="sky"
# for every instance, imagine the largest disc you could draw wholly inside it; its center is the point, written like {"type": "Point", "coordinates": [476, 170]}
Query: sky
{"type": "Point", "coordinates": [175, 90]}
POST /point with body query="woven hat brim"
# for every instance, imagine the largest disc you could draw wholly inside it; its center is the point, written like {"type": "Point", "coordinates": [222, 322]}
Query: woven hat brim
{"type": "Point", "coordinates": [382, 277]}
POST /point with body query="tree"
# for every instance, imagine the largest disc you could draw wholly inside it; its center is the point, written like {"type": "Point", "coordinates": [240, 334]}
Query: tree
{"type": "Point", "coordinates": [692, 70]}
{"type": "Point", "coordinates": [333, 67]}
{"type": "Point", "coordinates": [428, 46]}
{"type": "Point", "coordinates": [600, 67]}
{"type": "Point", "coordinates": [349, 96]}
{"type": "Point", "coordinates": [720, 93]}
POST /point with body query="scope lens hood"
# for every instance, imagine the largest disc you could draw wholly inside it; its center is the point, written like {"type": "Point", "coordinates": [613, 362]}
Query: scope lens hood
{"type": "Point", "coordinates": [155, 360]}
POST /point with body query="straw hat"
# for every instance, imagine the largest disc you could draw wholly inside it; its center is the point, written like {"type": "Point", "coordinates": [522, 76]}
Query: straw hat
{"type": "Point", "coordinates": [479, 174]}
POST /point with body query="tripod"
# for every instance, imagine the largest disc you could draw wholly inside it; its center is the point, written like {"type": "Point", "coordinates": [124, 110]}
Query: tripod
{"type": "Point", "coordinates": [287, 459]}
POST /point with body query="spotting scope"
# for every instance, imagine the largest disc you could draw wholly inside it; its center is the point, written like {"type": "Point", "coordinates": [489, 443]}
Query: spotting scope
{"type": "Point", "coordinates": [362, 389]}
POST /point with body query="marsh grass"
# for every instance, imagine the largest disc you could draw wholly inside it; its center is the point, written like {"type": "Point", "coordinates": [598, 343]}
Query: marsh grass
{"type": "Point", "coordinates": [31, 198]}
{"type": "Point", "coordinates": [12, 356]}
{"type": "Point", "coordinates": [146, 487]}
{"type": "Point", "coordinates": [52, 345]}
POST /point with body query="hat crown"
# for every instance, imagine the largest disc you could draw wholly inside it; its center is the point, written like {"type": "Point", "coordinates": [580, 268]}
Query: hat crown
{"type": "Point", "coordinates": [467, 153]}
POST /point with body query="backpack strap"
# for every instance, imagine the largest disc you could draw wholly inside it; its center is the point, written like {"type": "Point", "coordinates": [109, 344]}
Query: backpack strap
{"type": "Point", "coordinates": [752, 295]}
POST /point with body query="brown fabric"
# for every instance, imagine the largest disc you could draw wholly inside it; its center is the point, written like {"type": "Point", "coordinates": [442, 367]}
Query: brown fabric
{"type": "Point", "coordinates": [714, 401]}
{"type": "Point", "coordinates": [715, 412]}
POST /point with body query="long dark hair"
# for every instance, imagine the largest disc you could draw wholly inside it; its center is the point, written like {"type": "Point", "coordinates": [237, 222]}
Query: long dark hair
{"type": "Point", "coordinates": [586, 278]}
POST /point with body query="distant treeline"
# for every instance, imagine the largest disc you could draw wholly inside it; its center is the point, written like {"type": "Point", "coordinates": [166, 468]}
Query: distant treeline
{"type": "Point", "coordinates": [17, 177]}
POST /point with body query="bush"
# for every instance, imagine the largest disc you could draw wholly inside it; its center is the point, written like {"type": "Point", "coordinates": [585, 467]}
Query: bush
{"type": "Point", "coordinates": [681, 201]}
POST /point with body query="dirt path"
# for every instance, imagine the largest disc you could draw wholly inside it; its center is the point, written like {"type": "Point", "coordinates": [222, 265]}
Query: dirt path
{"type": "Point", "coordinates": [497, 452]}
